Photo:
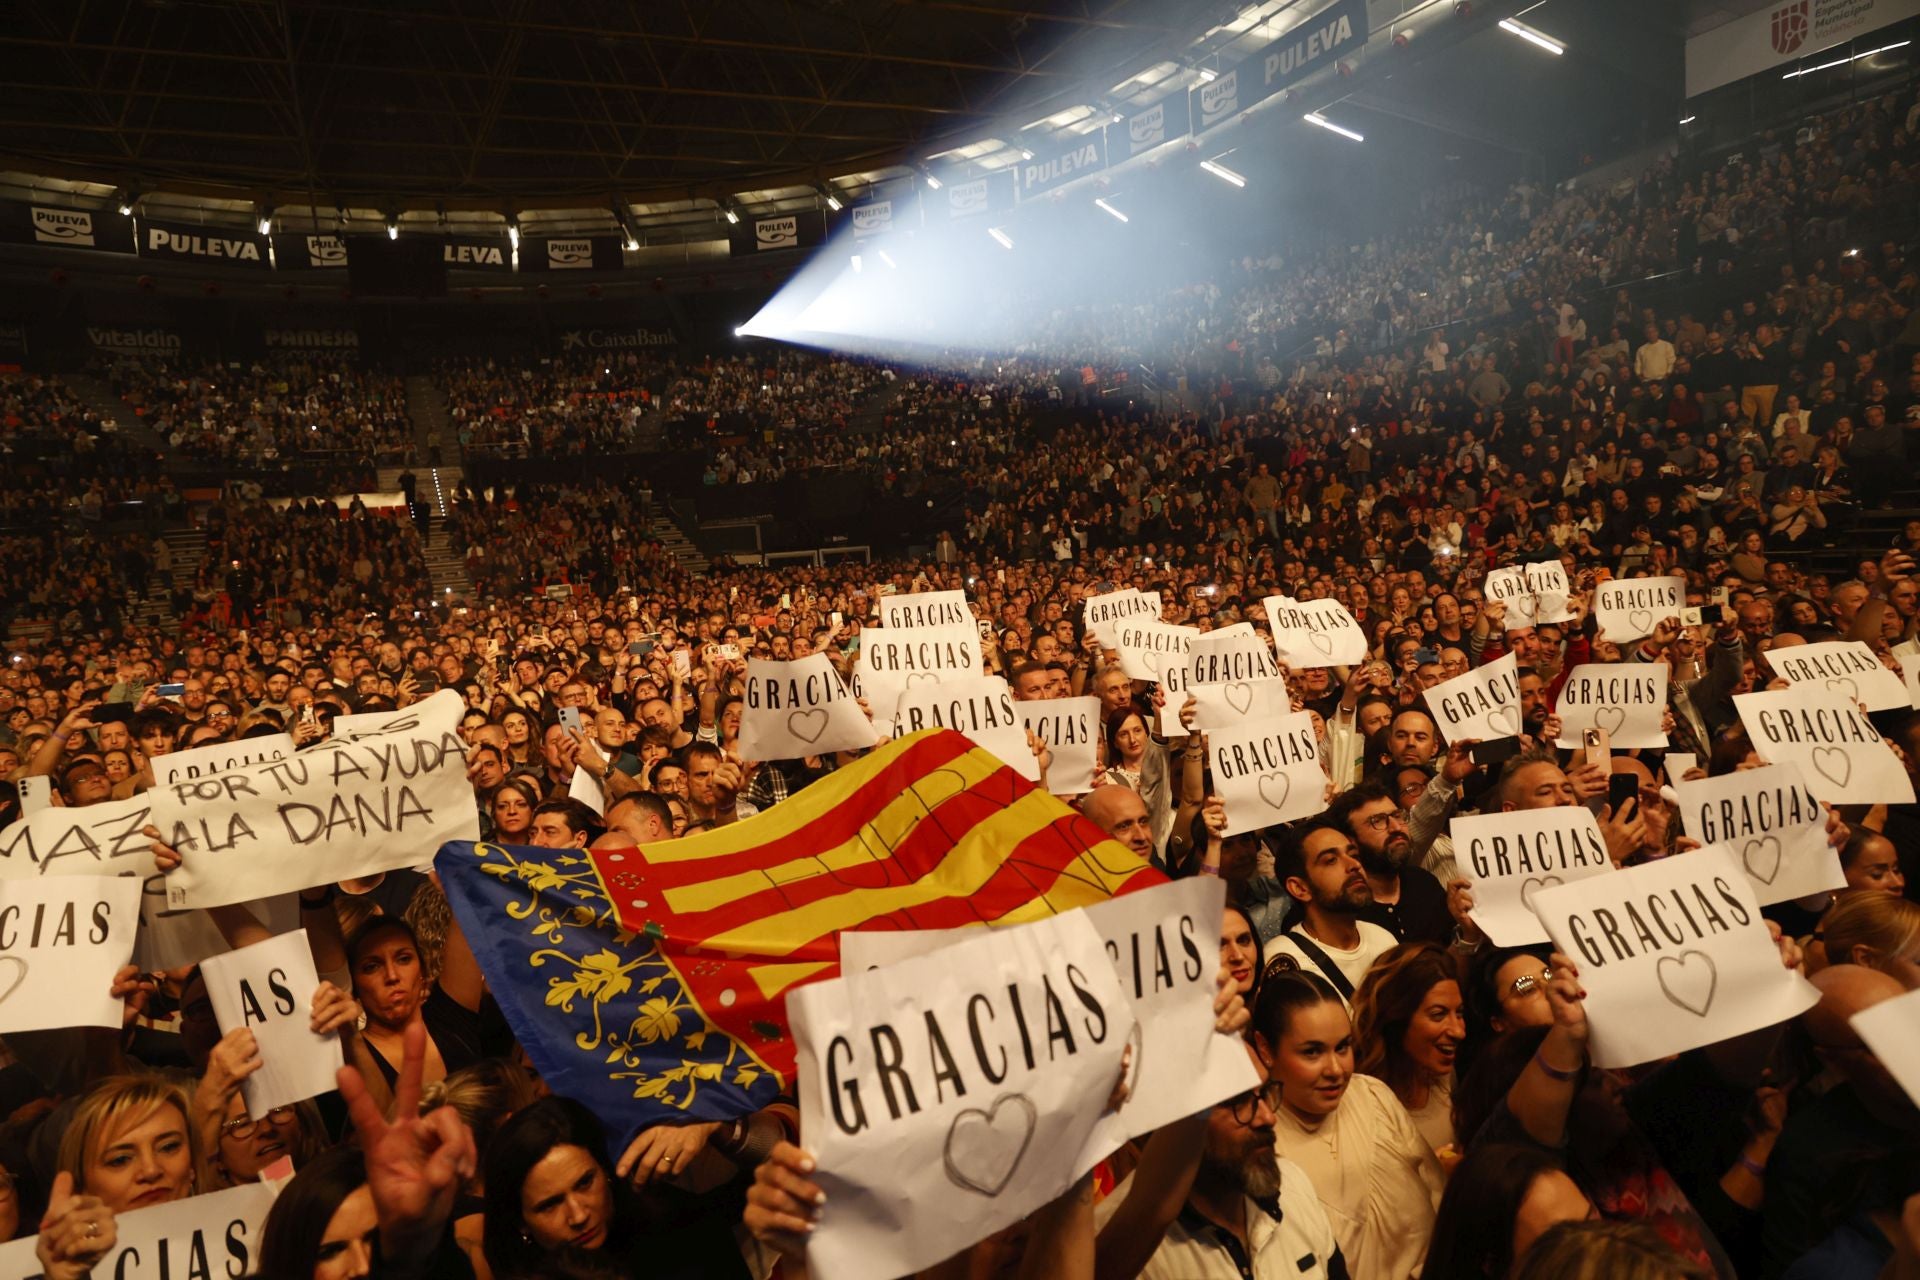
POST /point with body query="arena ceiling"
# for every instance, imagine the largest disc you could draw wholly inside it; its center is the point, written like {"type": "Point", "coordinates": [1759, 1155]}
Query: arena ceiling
{"type": "Point", "coordinates": [359, 110]}
{"type": "Point", "coordinates": [491, 101]}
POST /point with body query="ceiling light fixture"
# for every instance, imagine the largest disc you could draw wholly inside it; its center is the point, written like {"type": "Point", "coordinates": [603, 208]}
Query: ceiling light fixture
{"type": "Point", "coordinates": [1223, 173]}
{"type": "Point", "coordinates": [1315, 118]}
{"type": "Point", "coordinates": [1533, 36]}
{"type": "Point", "coordinates": [1841, 62]}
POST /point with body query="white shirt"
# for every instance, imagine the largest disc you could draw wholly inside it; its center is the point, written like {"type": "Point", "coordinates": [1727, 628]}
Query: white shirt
{"type": "Point", "coordinates": [1297, 1245]}
{"type": "Point", "coordinates": [1354, 963]}
{"type": "Point", "coordinates": [1654, 360]}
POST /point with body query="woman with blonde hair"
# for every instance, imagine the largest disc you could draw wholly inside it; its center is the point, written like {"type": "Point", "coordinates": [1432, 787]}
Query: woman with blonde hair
{"type": "Point", "coordinates": [1876, 931]}
{"type": "Point", "coordinates": [132, 1143]}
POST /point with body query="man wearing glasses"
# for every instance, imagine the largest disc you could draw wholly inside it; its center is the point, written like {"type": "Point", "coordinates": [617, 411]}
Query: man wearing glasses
{"type": "Point", "coordinates": [1408, 901]}
{"type": "Point", "coordinates": [1248, 1212]}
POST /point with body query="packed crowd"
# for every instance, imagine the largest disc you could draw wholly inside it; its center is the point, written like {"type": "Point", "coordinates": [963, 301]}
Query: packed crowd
{"type": "Point", "coordinates": [1428, 1105]}
{"type": "Point", "coordinates": [271, 412]}
{"type": "Point", "coordinates": [563, 407]}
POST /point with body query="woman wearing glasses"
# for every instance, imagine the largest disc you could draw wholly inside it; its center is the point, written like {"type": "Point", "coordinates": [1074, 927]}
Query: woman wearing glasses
{"type": "Point", "coordinates": [243, 1146]}
{"type": "Point", "coordinates": [1373, 1171]}
{"type": "Point", "coordinates": [1506, 987]}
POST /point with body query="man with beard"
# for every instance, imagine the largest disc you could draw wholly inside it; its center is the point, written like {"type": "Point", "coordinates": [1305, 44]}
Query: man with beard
{"type": "Point", "coordinates": [1247, 1213]}
{"type": "Point", "coordinates": [1407, 901]}
{"type": "Point", "coordinates": [1321, 870]}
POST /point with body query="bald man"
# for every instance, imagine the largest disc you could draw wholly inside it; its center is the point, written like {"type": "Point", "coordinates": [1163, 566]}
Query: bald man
{"type": "Point", "coordinates": [1860, 1127]}
{"type": "Point", "coordinates": [1122, 814]}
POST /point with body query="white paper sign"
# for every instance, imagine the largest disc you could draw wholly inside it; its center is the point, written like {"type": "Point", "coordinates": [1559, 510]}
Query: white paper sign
{"type": "Point", "coordinates": [61, 940]}
{"type": "Point", "coordinates": [1268, 773]}
{"type": "Point", "coordinates": [1673, 955]}
{"type": "Point", "coordinates": [1909, 675]}
{"type": "Point", "coordinates": [1892, 1030]}
{"type": "Point", "coordinates": [982, 708]}
{"type": "Point", "coordinates": [1627, 699]}
{"type": "Point", "coordinates": [268, 989]}
{"type": "Point", "coordinates": [1156, 939]}
{"type": "Point", "coordinates": [201, 762]}
{"type": "Point", "coordinates": [1773, 825]}
{"type": "Point", "coordinates": [1628, 608]}
{"type": "Point", "coordinates": [1218, 707]}
{"type": "Point", "coordinates": [1509, 857]}
{"type": "Point", "coordinates": [928, 609]}
{"type": "Point", "coordinates": [1842, 756]}
{"type": "Point", "coordinates": [1843, 669]}
{"type": "Point", "coordinates": [1483, 703]}
{"type": "Point", "coordinates": [585, 788]}
{"type": "Point", "coordinates": [801, 708]}
{"type": "Point", "coordinates": [1152, 650]}
{"type": "Point", "coordinates": [1103, 611]}
{"type": "Point", "coordinates": [1230, 655]}
{"type": "Point", "coordinates": [216, 1234]}
{"type": "Point", "coordinates": [1314, 633]}
{"type": "Point", "coordinates": [893, 661]}
{"type": "Point", "coordinates": [1509, 586]}
{"type": "Point", "coordinates": [96, 839]}
{"type": "Point", "coordinates": [1547, 579]}
{"type": "Point", "coordinates": [957, 1092]}
{"type": "Point", "coordinates": [1071, 729]}
{"type": "Point", "coordinates": [335, 811]}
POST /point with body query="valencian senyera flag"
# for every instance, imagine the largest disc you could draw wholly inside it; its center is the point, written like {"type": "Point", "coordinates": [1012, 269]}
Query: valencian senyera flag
{"type": "Point", "coordinates": [651, 984]}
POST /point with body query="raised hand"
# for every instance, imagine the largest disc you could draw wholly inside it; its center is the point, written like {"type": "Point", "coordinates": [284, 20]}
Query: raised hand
{"type": "Point", "coordinates": [76, 1232]}
{"type": "Point", "coordinates": [416, 1164]}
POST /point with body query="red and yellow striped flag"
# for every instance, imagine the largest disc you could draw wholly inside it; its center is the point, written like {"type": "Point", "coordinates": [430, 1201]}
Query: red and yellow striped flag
{"type": "Point", "coordinates": [928, 832]}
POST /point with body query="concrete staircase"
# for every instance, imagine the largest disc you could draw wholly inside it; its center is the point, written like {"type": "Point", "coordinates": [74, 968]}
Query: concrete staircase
{"type": "Point", "coordinates": [155, 609]}
{"type": "Point", "coordinates": [675, 540]}
{"type": "Point", "coordinates": [427, 406]}
{"type": "Point", "coordinates": [434, 487]}
{"type": "Point", "coordinates": [97, 395]}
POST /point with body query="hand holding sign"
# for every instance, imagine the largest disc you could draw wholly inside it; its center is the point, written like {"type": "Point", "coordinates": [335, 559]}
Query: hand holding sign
{"type": "Point", "coordinates": [1840, 753]}
{"type": "Point", "coordinates": [1843, 669]}
{"type": "Point", "coordinates": [62, 942]}
{"type": "Point", "coordinates": [1626, 699]}
{"type": "Point", "coordinates": [1268, 773]}
{"type": "Point", "coordinates": [801, 708]}
{"type": "Point", "coordinates": [268, 989]}
{"type": "Point", "coordinates": [1509, 857]}
{"type": "Point", "coordinates": [1673, 955]}
{"type": "Point", "coordinates": [1484, 703]}
{"type": "Point", "coordinates": [1627, 609]}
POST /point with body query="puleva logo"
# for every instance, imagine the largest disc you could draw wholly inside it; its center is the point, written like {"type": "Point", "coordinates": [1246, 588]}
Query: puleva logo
{"type": "Point", "coordinates": [969, 197]}
{"type": "Point", "coordinates": [62, 226]}
{"type": "Point", "coordinates": [776, 233]}
{"type": "Point", "coordinates": [1221, 95]}
{"type": "Point", "coordinates": [569, 254]}
{"type": "Point", "coordinates": [1149, 127]}
{"type": "Point", "coordinates": [326, 251]}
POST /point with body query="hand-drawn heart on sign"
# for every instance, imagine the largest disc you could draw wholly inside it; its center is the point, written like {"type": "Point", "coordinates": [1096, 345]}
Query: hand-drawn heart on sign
{"type": "Point", "coordinates": [1610, 719]}
{"type": "Point", "coordinates": [985, 1147]}
{"type": "Point", "coordinates": [1762, 858]}
{"type": "Point", "coordinates": [1240, 697]}
{"type": "Point", "coordinates": [1507, 720]}
{"type": "Point", "coordinates": [1689, 980]}
{"type": "Point", "coordinates": [1833, 764]}
{"type": "Point", "coordinates": [1852, 689]}
{"type": "Point", "coordinates": [1321, 641]}
{"type": "Point", "coordinates": [923, 677]}
{"type": "Point", "coordinates": [17, 968]}
{"type": "Point", "coordinates": [1641, 620]}
{"type": "Point", "coordinates": [1532, 884]}
{"type": "Point", "coordinates": [807, 725]}
{"type": "Point", "coordinates": [1274, 789]}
